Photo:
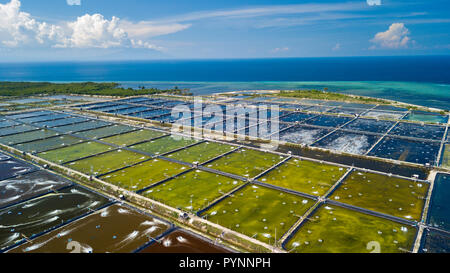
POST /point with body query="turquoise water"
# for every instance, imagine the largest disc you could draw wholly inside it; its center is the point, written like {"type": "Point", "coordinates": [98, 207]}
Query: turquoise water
{"type": "Point", "coordinates": [425, 94]}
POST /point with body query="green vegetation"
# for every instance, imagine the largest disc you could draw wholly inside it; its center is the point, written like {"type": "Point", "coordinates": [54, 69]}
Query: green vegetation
{"type": "Point", "coordinates": [259, 212]}
{"type": "Point", "coordinates": [164, 145]}
{"type": "Point", "coordinates": [106, 162]}
{"type": "Point", "coordinates": [202, 152]}
{"type": "Point", "coordinates": [326, 95]}
{"type": "Point", "coordinates": [446, 157]}
{"type": "Point", "coordinates": [337, 230]}
{"type": "Point", "coordinates": [47, 144]}
{"type": "Point", "coordinates": [192, 191]}
{"type": "Point", "coordinates": [394, 196]}
{"type": "Point", "coordinates": [247, 163]}
{"type": "Point", "coordinates": [304, 176]}
{"type": "Point", "coordinates": [144, 174]}
{"type": "Point", "coordinates": [85, 88]}
{"type": "Point", "coordinates": [74, 152]}
{"type": "Point", "coordinates": [133, 137]}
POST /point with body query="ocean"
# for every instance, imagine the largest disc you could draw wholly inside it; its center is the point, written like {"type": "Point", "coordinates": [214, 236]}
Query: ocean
{"type": "Point", "coordinates": [422, 80]}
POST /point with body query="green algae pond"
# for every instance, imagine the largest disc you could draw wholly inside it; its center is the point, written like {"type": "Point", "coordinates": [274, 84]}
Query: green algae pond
{"type": "Point", "coordinates": [74, 152]}
{"type": "Point", "coordinates": [246, 162]}
{"type": "Point", "coordinates": [17, 129]}
{"type": "Point", "coordinates": [398, 197]}
{"type": "Point", "coordinates": [27, 136]}
{"type": "Point", "coordinates": [446, 157]}
{"type": "Point", "coordinates": [202, 152]}
{"type": "Point", "coordinates": [192, 191]}
{"type": "Point", "coordinates": [107, 162]}
{"type": "Point", "coordinates": [333, 229]}
{"type": "Point", "coordinates": [127, 139]}
{"type": "Point", "coordinates": [164, 145]}
{"type": "Point", "coordinates": [259, 212]}
{"type": "Point", "coordinates": [144, 174]}
{"type": "Point", "coordinates": [105, 131]}
{"type": "Point", "coordinates": [48, 144]}
{"type": "Point", "coordinates": [115, 229]}
{"type": "Point", "coordinates": [304, 176]}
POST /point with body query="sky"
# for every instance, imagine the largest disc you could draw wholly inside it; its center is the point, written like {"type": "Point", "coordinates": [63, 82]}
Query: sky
{"type": "Point", "coordinates": [90, 30]}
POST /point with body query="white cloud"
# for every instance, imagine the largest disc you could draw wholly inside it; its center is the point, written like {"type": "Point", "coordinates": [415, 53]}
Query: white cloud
{"type": "Point", "coordinates": [18, 28]}
{"type": "Point", "coordinates": [374, 2]}
{"type": "Point", "coordinates": [146, 29]}
{"type": "Point", "coordinates": [337, 47]}
{"type": "Point", "coordinates": [280, 49]}
{"type": "Point", "coordinates": [74, 2]}
{"type": "Point", "coordinates": [94, 31]}
{"type": "Point", "coordinates": [395, 37]}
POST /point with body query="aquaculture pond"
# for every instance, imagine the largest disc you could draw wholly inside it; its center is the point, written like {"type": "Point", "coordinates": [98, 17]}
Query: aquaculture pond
{"type": "Point", "coordinates": [144, 174]}
{"type": "Point", "coordinates": [53, 116]}
{"type": "Point", "coordinates": [346, 111]}
{"type": "Point", "coordinates": [11, 167]}
{"type": "Point", "coordinates": [7, 123]}
{"type": "Point", "coordinates": [46, 212]}
{"type": "Point", "coordinates": [439, 211]}
{"type": "Point", "coordinates": [304, 176]}
{"type": "Point", "coordinates": [107, 162]}
{"type": "Point", "coordinates": [390, 195]}
{"type": "Point", "coordinates": [201, 152]}
{"type": "Point", "coordinates": [245, 162]}
{"type": "Point", "coordinates": [114, 229]}
{"type": "Point", "coordinates": [333, 229]}
{"type": "Point", "coordinates": [28, 136]}
{"type": "Point", "coordinates": [180, 241]}
{"type": "Point", "coordinates": [259, 212]}
{"type": "Point", "coordinates": [60, 122]}
{"type": "Point", "coordinates": [420, 152]}
{"type": "Point", "coordinates": [164, 145]}
{"type": "Point", "coordinates": [74, 152]}
{"type": "Point", "coordinates": [105, 131]}
{"type": "Point", "coordinates": [433, 132]}
{"type": "Point", "coordinates": [427, 117]}
{"type": "Point", "coordinates": [192, 191]}
{"type": "Point", "coordinates": [83, 126]}
{"type": "Point", "coordinates": [296, 117]}
{"type": "Point", "coordinates": [435, 242]}
{"type": "Point", "coordinates": [384, 114]}
{"type": "Point", "coordinates": [27, 186]}
{"type": "Point", "coordinates": [303, 134]}
{"type": "Point", "coordinates": [370, 125]}
{"type": "Point", "coordinates": [22, 128]}
{"type": "Point", "coordinates": [29, 114]}
{"type": "Point", "coordinates": [48, 144]}
{"type": "Point", "coordinates": [352, 143]}
{"type": "Point", "coordinates": [328, 121]}
{"type": "Point", "coordinates": [127, 139]}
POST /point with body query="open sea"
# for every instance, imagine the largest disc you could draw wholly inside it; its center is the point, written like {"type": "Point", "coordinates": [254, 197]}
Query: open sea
{"type": "Point", "coordinates": [422, 80]}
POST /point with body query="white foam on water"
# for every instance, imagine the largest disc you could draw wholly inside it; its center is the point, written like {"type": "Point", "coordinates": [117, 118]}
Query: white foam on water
{"type": "Point", "coordinates": [353, 144]}
{"type": "Point", "coordinates": [302, 137]}
{"type": "Point", "coordinates": [182, 240]}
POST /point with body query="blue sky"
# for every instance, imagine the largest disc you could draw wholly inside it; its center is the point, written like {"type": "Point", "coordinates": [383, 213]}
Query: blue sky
{"type": "Point", "coordinates": [59, 30]}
